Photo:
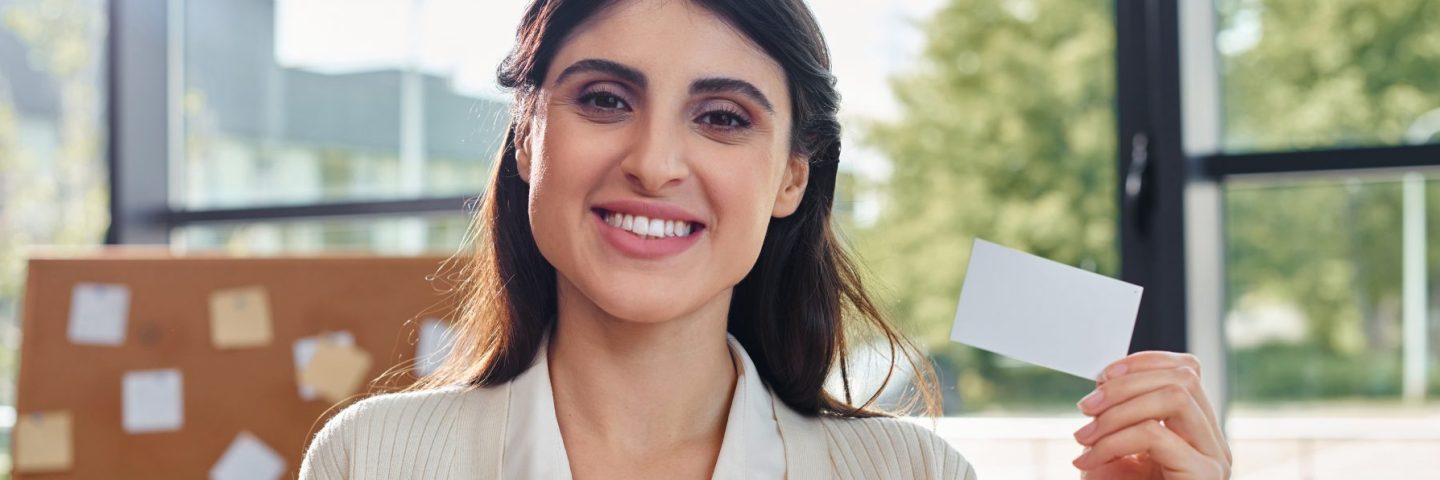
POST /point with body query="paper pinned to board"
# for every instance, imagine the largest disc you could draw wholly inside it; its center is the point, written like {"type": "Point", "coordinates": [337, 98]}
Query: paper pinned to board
{"type": "Point", "coordinates": [153, 401]}
{"type": "Point", "coordinates": [240, 318]}
{"type": "Point", "coordinates": [44, 442]}
{"type": "Point", "coordinates": [248, 458]}
{"type": "Point", "coordinates": [98, 314]}
{"type": "Point", "coordinates": [1044, 312]}
{"type": "Point", "coordinates": [336, 370]}
{"type": "Point", "coordinates": [434, 345]}
{"type": "Point", "coordinates": [304, 350]}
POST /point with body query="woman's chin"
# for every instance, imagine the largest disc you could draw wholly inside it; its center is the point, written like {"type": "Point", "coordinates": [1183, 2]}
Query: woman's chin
{"type": "Point", "coordinates": [644, 311]}
{"type": "Point", "coordinates": [642, 305]}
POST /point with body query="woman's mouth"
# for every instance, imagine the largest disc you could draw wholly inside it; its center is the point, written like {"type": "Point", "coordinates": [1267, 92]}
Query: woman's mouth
{"type": "Point", "coordinates": [648, 228]}
{"type": "Point", "coordinates": [643, 237]}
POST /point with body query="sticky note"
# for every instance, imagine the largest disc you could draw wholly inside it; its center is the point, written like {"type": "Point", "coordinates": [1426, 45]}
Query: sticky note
{"type": "Point", "coordinates": [98, 313]}
{"type": "Point", "coordinates": [304, 350]}
{"type": "Point", "coordinates": [433, 346]}
{"type": "Point", "coordinates": [1044, 312]}
{"type": "Point", "coordinates": [335, 370]}
{"type": "Point", "coordinates": [248, 458]}
{"type": "Point", "coordinates": [153, 401]}
{"type": "Point", "coordinates": [44, 442]}
{"type": "Point", "coordinates": [240, 318]}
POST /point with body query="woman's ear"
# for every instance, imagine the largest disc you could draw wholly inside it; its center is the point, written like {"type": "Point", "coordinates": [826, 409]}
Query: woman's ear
{"type": "Point", "coordinates": [520, 135]}
{"type": "Point", "coordinates": [792, 187]}
{"type": "Point", "coordinates": [522, 161]}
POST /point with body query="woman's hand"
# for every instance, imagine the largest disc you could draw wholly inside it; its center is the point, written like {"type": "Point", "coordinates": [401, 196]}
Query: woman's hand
{"type": "Point", "coordinates": [1152, 420]}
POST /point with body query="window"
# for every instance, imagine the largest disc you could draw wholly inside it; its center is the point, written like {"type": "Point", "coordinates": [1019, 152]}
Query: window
{"type": "Point", "coordinates": [281, 106]}
{"type": "Point", "coordinates": [1337, 73]}
{"type": "Point", "coordinates": [298, 133]}
{"type": "Point", "coordinates": [1321, 154]}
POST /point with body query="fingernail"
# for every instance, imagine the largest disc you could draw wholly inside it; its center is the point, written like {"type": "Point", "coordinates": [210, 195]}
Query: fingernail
{"type": "Point", "coordinates": [1092, 400]}
{"type": "Point", "coordinates": [1085, 431]}
{"type": "Point", "coordinates": [1079, 462]}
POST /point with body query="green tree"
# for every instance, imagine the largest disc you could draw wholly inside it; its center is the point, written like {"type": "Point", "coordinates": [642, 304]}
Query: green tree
{"type": "Point", "coordinates": [1006, 131]}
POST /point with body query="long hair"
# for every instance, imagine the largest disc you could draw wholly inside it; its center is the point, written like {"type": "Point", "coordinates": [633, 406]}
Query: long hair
{"type": "Point", "coordinates": [794, 312]}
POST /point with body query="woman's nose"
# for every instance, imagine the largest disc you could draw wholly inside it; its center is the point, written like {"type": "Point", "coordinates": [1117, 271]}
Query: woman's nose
{"type": "Point", "coordinates": [657, 160]}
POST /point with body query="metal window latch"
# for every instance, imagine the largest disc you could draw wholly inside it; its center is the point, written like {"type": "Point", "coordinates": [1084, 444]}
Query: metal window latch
{"type": "Point", "coordinates": [1137, 195]}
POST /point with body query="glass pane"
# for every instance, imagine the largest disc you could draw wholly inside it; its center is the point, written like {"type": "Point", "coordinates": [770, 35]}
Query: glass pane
{"type": "Point", "coordinates": [283, 104]}
{"type": "Point", "coordinates": [1303, 74]}
{"type": "Point", "coordinates": [997, 123]}
{"type": "Point", "coordinates": [1330, 353]}
{"type": "Point", "coordinates": [1316, 304]}
{"type": "Point", "coordinates": [405, 235]}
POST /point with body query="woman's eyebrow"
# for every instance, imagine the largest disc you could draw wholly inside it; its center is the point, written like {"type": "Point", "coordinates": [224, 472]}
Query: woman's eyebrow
{"type": "Point", "coordinates": [722, 84]}
{"type": "Point", "coordinates": [625, 72]}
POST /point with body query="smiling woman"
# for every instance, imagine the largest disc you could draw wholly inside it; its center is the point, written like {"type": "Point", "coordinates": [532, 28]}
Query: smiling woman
{"type": "Point", "coordinates": [657, 290]}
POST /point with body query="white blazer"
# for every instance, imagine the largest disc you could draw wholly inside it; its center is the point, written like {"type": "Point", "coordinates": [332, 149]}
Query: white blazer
{"type": "Point", "coordinates": [509, 431]}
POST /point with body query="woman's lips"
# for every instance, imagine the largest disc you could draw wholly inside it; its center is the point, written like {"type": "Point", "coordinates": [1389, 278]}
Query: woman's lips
{"type": "Point", "coordinates": [633, 245]}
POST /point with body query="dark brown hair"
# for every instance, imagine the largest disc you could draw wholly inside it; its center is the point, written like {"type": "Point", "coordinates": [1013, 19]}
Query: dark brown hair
{"type": "Point", "coordinates": [795, 309]}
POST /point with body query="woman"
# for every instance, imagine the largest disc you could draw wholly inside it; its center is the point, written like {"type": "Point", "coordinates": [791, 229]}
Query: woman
{"type": "Point", "coordinates": [658, 293]}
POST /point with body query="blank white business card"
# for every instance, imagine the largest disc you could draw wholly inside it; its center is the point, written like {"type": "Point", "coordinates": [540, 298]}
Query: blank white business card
{"type": "Point", "coordinates": [1044, 312]}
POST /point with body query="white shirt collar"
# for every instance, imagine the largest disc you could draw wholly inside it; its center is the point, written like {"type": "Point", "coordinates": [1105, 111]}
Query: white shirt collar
{"type": "Point", "coordinates": [751, 448]}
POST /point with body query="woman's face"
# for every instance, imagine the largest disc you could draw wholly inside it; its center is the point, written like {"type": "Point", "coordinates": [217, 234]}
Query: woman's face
{"type": "Point", "coordinates": [658, 109]}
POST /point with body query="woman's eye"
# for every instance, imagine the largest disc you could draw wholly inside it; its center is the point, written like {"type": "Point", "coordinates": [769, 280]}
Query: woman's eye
{"type": "Point", "coordinates": [724, 119]}
{"type": "Point", "coordinates": [604, 101]}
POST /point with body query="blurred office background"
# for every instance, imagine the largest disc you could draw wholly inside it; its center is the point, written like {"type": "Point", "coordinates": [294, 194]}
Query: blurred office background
{"type": "Point", "coordinates": [1262, 167]}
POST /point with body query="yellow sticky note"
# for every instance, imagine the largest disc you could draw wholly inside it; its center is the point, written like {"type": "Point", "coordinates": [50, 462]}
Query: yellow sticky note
{"type": "Point", "coordinates": [240, 318]}
{"type": "Point", "coordinates": [43, 442]}
{"type": "Point", "coordinates": [336, 370]}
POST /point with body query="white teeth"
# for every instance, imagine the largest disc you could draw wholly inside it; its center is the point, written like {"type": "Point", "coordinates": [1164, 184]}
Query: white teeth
{"type": "Point", "coordinates": [648, 227]}
{"type": "Point", "coordinates": [642, 226]}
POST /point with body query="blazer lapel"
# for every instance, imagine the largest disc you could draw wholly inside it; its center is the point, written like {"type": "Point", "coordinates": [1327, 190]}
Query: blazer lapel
{"type": "Point", "coordinates": [806, 455]}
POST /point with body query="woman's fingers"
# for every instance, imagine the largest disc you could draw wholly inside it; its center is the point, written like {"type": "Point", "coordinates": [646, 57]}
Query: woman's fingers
{"type": "Point", "coordinates": [1161, 444]}
{"type": "Point", "coordinates": [1149, 360]}
{"type": "Point", "coordinates": [1162, 398]}
{"type": "Point", "coordinates": [1160, 360]}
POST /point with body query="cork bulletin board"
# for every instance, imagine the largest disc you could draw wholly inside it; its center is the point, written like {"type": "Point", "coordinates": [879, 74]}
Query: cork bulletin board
{"type": "Point", "coordinates": [225, 391]}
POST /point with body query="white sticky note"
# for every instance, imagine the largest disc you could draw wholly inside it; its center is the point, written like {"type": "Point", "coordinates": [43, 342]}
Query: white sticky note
{"type": "Point", "coordinates": [304, 350]}
{"type": "Point", "coordinates": [248, 458]}
{"type": "Point", "coordinates": [433, 346]}
{"type": "Point", "coordinates": [153, 401]}
{"type": "Point", "coordinates": [1044, 312]}
{"type": "Point", "coordinates": [98, 313]}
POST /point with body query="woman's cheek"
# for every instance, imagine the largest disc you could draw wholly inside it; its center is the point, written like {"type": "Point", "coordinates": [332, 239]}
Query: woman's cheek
{"type": "Point", "coordinates": [744, 210]}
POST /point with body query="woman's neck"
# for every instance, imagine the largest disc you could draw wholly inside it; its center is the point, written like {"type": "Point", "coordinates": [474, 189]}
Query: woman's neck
{"type": "Point", "coordinates": [640, 389]}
